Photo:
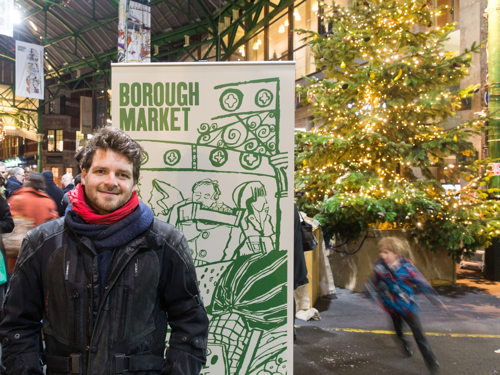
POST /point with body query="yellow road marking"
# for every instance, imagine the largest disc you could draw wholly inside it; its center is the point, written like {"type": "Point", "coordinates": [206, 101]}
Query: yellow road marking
{"type": "Point", "coordinates": [439, 334]}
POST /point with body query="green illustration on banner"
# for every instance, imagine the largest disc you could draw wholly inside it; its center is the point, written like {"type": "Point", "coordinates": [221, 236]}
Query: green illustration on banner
{"type": "Point", "coordinates": [234, 177]}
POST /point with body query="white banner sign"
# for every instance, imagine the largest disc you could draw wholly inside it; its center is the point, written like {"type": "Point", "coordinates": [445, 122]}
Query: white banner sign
{"type": "Point", "coordinates": [219, 165]}
{"type": "Point", "coordinates": [134, 31]}
{"type": "Point", "coordinates": [6, 17]}
{"type": "Point", "coordinates": [29, 70]}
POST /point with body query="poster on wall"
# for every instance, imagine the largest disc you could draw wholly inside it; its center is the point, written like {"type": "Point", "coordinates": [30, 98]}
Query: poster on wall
{"type": "Point", "coordinates": [6, 17]}
{"type": "Point", "coordinates": [29, 70]}
{"type": "Point", "coordinates": [134, 31]}
{"type": "Point", "coordinates": [218, 164]}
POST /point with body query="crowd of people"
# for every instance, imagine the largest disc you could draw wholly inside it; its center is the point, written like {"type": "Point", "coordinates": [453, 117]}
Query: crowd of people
{"type": "Point", "coordinates": [29, 197]}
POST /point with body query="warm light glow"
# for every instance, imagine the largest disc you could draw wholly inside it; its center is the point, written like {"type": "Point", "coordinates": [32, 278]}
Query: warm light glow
{"type": "Point", "coordinates": [315, 7]}
{"type": "Point", "coordinates": [257, 44]}
{"type": "Point", "coordinates": [33, 26]}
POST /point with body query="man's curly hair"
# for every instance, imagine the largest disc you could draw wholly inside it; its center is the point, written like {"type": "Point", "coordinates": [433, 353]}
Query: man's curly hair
{"type": "Point", "coordinates": [116, 140]}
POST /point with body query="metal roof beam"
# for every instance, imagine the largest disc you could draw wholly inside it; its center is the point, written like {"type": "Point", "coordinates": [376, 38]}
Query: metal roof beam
{"type": "Point", "coordinates": [67, 27]}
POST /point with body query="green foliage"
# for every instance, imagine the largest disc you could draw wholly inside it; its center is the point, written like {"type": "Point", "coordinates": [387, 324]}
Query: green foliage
{"type": "Point", "coordinates": [382, 144]}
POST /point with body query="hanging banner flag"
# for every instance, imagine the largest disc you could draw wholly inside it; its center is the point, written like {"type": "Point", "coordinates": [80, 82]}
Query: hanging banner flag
{"type": "Point", "coordinates": [218, 164]}
{"type": "Point", "coordinates": [6, 17]}
{"type": "Point", "coordinates": [29, 70]}
{"type": "Point", "coordinates": [134, 31]}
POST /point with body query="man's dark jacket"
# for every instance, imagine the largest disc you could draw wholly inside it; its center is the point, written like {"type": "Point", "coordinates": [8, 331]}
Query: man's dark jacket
{"type": "Point", "coordinates": [12, 185]}
{"type": "Point", "coordinates": [55, 282]}
{"type": "Point", "coordinates": [53, 191]}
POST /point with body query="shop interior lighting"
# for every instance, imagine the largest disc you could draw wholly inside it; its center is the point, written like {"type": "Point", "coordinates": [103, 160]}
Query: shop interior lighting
{"type": "Point", "coordinates": [257, 44]}
{"type": "Point", "coordinates": [315, 7]}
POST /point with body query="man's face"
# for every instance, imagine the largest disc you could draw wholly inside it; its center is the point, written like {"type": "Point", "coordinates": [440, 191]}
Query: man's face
{"type": "Point", "coordinates": [204, 194]}
{"type": "Point", "coordinates": [108, 182]}
{"type": "Point", "coordinates": [3, 171]}
{"type": "Point", "coordinates": [20, 176]}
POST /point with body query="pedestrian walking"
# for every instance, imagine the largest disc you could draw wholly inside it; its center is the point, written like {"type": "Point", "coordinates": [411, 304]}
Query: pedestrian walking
{"type": "Point", "coordinates": [395, 281]}
{"type": "Point", "coordinates": [105, 280]}
{"type": "Point", "coordinates": [6, 226]}
{"type": "Point", "coordinates": [65, 200]}
{"type": "Point", "coordinates": [14, 181]}
{"type": "Point", "coordinates": [32, 202]}
{"type": "Point", "coordinates": [53, 191]}
{"type": "Point", "coordinates": [30, 206]}
{"type": "Point", "coordinates": [67, 182]}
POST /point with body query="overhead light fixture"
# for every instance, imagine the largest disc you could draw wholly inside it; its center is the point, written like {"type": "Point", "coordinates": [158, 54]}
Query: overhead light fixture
{"type": "Point", "coordinates": [296, 15]}
{"type": "Point", "coordinates": [33, 26]}
{"type": "Point", "coordinates": [242, 51]}
{"type": "Point", "coordinates": [281, 29]}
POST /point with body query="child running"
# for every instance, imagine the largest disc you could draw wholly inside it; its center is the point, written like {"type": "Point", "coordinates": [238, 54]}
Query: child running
{"type": "Point", "coordinates": [395, 281]}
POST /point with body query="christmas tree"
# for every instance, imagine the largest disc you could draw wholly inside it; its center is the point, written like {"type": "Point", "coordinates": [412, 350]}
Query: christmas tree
{"type": "Point", "coordinates": [382, 146]}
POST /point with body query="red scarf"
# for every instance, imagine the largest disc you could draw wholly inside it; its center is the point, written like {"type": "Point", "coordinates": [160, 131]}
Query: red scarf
{"type": "Point", "coordinates": [87, 213]}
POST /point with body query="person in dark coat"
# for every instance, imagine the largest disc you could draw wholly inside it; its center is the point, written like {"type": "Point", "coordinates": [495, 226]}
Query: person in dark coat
{"type": "Point", "coordinates": [65, 199]}
{"type": "Point", "coordinates": [299, 260]}
{"type": "Point", "coordinates": [104, 282]}
{"type": "Point", "coordinates": [6, 226]}
{"type": "Point", "coordinates": [53, 191]}
{"type": "Point", "coordinates": [15, 181]}
{"type": "Point", "coordinates": [67, 182]}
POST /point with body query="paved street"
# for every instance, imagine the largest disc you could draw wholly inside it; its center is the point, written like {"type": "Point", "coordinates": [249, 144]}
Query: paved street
{"type": "Point", "coordinates": [354, 336]}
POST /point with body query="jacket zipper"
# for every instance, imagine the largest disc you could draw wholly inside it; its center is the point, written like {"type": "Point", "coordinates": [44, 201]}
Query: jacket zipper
{"type": "Point", "coordinates": [123, 311]}
{"type": "Point", "coordinates": [76, 308]}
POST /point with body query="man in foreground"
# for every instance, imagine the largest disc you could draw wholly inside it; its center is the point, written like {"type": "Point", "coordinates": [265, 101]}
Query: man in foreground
{"type": "Point", "coordinates": [105, 281]}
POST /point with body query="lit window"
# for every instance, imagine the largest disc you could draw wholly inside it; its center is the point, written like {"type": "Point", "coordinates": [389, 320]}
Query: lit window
{"type": "Point", "coordinates": [55, 140]}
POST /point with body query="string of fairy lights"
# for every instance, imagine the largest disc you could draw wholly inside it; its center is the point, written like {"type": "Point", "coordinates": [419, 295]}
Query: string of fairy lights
{"type": "Point", "coordinates": [380, 108]}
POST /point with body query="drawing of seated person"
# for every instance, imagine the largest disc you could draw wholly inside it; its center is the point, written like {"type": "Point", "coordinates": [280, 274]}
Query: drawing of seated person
{"type": "Point", "coordinates": [257, 227]}
{"type": "Point", "coordinates": [207, 192]}
{"type": "Point", "coordinates": [208, 224]}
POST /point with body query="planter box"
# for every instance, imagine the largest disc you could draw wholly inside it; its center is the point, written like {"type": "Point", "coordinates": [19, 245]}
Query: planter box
{"type": "Point", "coordinates": [352, 271]}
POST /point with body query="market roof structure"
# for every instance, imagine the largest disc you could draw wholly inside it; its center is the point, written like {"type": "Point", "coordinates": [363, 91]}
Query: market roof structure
{"type": "Point", "coordinates": [80, 36]}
